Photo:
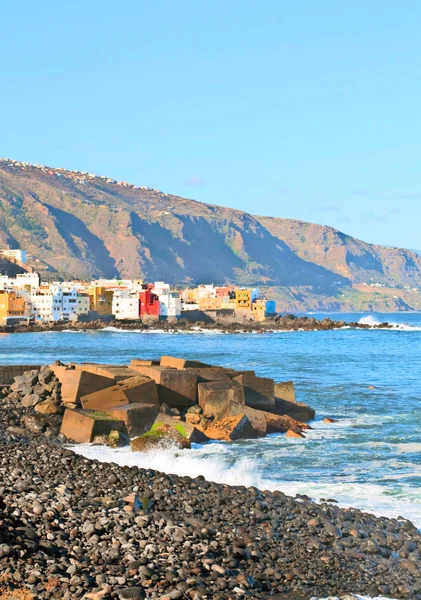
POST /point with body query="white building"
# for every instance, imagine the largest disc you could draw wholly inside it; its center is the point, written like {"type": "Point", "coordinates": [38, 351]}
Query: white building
{"type": "Point", "coordinates": [57, 303]}
{"type": "Point", "coordinates": [22, 281]}
{"type": "Point", "coordinates": [125, 305]}
{"type": "Point", "coordinates": [169, 305]}
{"type": "Point", "coordinates": [16, 255]}
{"type": "Point", "coordinates": [206, 291]}
{"type": "Point", "coordinates": [170, 302]}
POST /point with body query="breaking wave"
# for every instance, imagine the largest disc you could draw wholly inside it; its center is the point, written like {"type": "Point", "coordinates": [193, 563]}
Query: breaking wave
{"type": "Point", "coordinates": [223, 463]}
{"type": "Point", "coordinates": [372, 321]}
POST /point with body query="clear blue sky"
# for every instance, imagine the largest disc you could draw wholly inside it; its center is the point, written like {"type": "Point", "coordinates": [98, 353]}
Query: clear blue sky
{"type": "Point", "coordinates": [307, 109]}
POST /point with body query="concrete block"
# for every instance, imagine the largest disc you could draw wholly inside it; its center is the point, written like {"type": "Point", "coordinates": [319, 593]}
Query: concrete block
{"type": "Point", "coordinates": [176, 388]}
{"type": "Point", "coordinates": [82, 426]}
{"type": "Point", "coordinates": [141, 362]}
{"type": "Point", "coordinates": [139, 389]}
{"type": "Point", "coordinates": [180, 363]}
{"type": "Point", "coordinates": [138, 417]}
{"type": "Point", "coordinates": [298, 410]}
{"type": "Point", "coordinates": [115, 372]}
{"type": "Point", "coordinates": [282, 423]}
{"type": "Point", "coordinates": [76, 383]}
{"type": "Point", "coordinates": [256, 418]}
{"type": "Point", "coordinates": [259, 391]}
{"type": "Point", "coordinates": [216, 398]}
{"type": "Point", "coordinates": [192, 433]}
{"type": "Point", "coordinates": [209, 374]}
{"type": "Point", "coordinates": [284, 390]}
{"type": "Point", "coordinates": [233, 428]}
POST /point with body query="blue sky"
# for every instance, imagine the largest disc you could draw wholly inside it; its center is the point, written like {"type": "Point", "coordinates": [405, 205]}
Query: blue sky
{"type": "Point", "coordinates": [307, 110]}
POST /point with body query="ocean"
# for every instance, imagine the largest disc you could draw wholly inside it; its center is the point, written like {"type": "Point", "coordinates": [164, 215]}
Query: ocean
{"type": "Point", "coordinates": [370, 458]}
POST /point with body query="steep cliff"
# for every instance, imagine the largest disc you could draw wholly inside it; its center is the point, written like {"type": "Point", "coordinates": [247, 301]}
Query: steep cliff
{"type": "Point", "coordinates": [81, 225]}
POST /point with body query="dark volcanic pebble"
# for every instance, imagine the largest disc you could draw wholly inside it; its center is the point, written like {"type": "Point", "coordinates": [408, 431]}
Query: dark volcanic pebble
{"type": "Point", "coordinates": [71, 528]}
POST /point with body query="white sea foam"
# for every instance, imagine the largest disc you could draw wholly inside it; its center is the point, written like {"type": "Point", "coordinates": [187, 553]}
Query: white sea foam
{"type": "Point", "coordinates": [193, 331]}
{"type": "Point", "coordinates": [372, 322]}
{"type": "Point", "coordinates": [219, 462]}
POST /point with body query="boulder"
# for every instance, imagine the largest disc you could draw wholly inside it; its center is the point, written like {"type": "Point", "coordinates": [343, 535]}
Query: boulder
{"type": "Point", "coordinates": [229, 429]}
{"type": "Point", "coordinates": [259, 392]}
{"type": "Point", "coordinates": [31, 377]}
{"type": "Point", "coordinates": [161, 436]}
{"type": "Point", "coordinates": [47, 407]}
{"type": "Point", "coordinates": [115, 439]}
{"type": "Point", "coordinates": [176, 388]}
{"type": "Point", "coordinates": [138, 417]}
{"type": "Point", "coordinates": [139, 389]}
{"type": "Point", "coordinates": [35, 423]}
{"type": "Point", "coordinates": [30, 400]}
{"type": "Point", "coordinates": [329, 420]}
{"type": "Point", "coordinates": [217, 397]}
{"type": "Point", "coordinates": [294, 434]}
{"type": "Point", "coordinates": [188, 430]}
{"type": "Point", "coordinates": [180, 363]}
{"type": "Point", "coordinates": [83, 425]}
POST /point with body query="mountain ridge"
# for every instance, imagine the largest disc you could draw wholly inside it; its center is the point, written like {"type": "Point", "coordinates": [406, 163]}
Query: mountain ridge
{"type": "Point", "coordinates": [83, 225]}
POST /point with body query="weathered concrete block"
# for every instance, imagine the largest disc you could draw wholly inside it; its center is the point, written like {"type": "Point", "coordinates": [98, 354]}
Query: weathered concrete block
{"type": "Point", "coordinates": [115, 372]}
{"type": "Point", "coordinates": [175, 387]}
{"type": "Point", "coordinates": [192, 433]}
{"type": "Point", "coordinates": [298, 410]}
{"type": "Point", "coordinates": [216, 398]}
{"type": "Point", "coordinates": [256, 418]}
{"type": "Point", "coordinates": [248, 375]}
{"type": "Point", "coordinates": [139, 389]}
{"type": "Point", "coordinates": [204, 374]}
{"type": "Point", "coordinates": [141, 362]}
{"type": "Point", "coordinates": [137, 417]}
{"type": "Point", "coordinates": [76, 383]}
{"type": "Point", "coordinates": [82, 426]}
{"type": "Point", "coordinates": [237, 427]}
{"type": "Point", "coordinates": [259, 391]}
{"type": "Point", "coordinates": [284, 390]}
{"type": "Point", "coordinates": [283, 423]}
{"type": "Point", "coordinates": [180, 363]}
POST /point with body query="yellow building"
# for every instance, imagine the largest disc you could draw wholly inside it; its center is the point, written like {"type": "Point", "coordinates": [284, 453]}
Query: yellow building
{"type": "Point", "coordinates": [209, 303]}
{"type": "Point", "coordinates": [101, 300]}
{"type": "Point", "coordinates": [243, 299]}
{"type": "Point", "coordinates": [189, 295]}
{"type": "Point", "coordinates": [12, 304]}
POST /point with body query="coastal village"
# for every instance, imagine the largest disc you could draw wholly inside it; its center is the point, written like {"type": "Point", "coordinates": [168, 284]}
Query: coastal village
{"type": "Point", "coordinates": [26, 299]}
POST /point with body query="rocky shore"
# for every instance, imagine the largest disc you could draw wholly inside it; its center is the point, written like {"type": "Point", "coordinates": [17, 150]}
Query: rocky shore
{"type": "Point", "coordinates": [282, 323]}
{"type": "Point", "coordinates": [75, 528]}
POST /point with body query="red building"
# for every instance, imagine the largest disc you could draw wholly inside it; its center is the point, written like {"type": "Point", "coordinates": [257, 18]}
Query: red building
{"type": "Point", "coordinates": [149, 304]}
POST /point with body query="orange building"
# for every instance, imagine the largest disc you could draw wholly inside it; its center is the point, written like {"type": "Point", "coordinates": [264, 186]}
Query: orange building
{"type": "Point", "coordinates": [101, 300]}
{"type": "Point", "coordinates": [12, 304]}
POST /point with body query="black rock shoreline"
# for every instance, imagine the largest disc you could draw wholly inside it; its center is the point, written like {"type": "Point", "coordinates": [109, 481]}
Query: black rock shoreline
{"type": "Point", "coordinates": [283, 323]}
{"type": "Point", "coordinates": [77, 528]}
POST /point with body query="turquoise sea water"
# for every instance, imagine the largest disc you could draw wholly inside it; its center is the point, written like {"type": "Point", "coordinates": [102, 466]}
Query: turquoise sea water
{"type": "Point", "coordinates": [370, 459]}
